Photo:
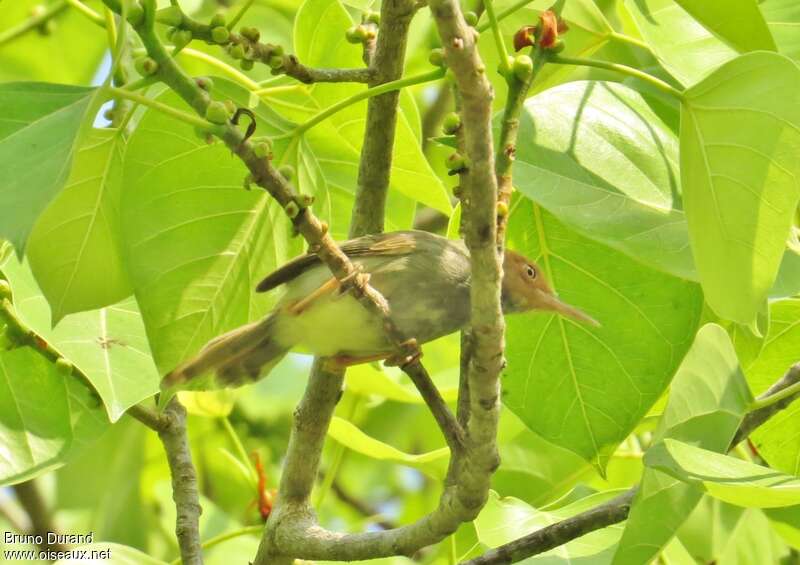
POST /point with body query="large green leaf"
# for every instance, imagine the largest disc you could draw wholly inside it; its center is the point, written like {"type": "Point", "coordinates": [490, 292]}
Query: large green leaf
{"type": "Point", "coordinates": [581, 387]}
{"type": "Point", "coordinates": [783, 18]}
{"type": "Point", "coordinates": [503, 520]}
{"type": "Point", "coordinates": [729, 479]}
{"type": "Point", "coordinates": [707, 401]}
{"type": "Point", "coordinates": [82, 223]}
{"type": "Point", "coordinates": [70, 53]}
{"type": "Point", "coordinates": [682, 45]}
{"type": "Point", "coordinates": [740, 137]}
{"type": "Point", "coordinates": [39, 129]}
{"type": "Point", "coordinates": [739, 23]}
{"type": "Point", "coordinates": [596, 156]}
{"type": "Point", "coordinates": [778, 439]}
{"type": "Point", "coordinates": [196, 242]}
{"type": "Point", "coordinates": [108, 345]}
{"type": "Point", "coordinates": [46, 415]}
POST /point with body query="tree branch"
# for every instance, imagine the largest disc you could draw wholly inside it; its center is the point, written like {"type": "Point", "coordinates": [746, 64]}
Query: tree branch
{"type": "Point", "coordinates": [31, 500]}
{"type": "Point", "coordinates": [616, 510]}
{"type": "Point", "coordinates": [376, 153]}
{"type": "Point", "coordinates": [184, 483]}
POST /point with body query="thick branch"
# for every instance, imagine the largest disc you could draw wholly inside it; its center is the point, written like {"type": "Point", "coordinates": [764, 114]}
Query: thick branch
{"type": "Point", "coordinates": [184, 483]}
{"type": "Point", "coordinates": [376, 153]}
{"type": "Point", "coordinates": [31, 500]}
{"type": "Point", "coordinates": [616, 510]}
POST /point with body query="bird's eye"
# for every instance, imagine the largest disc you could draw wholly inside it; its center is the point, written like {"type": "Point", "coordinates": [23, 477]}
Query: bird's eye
{"type": "Point", "coordinates": [531, 272]}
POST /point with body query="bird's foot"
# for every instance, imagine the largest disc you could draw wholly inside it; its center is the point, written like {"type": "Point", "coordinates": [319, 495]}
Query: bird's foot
{"type": "Point", "coordinates": [409, 353]}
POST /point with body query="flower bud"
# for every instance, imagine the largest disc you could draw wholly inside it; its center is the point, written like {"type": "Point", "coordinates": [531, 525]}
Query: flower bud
{"type": "Point", "coordinates": [217, 113]}
{"type": "Point", "coordinates": [522, 67]}
{"type": "Point", "coordinates": [436, 57]}
{"type": "Point", "coordinates": [451, 123]}
{"type": "Point", "coordinates": [171, 15]}
{"type": "Point", "coordinates": [220, 35]}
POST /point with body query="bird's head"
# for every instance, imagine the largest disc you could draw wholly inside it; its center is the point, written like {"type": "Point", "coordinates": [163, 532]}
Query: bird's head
{"type": "Point", "coordinates": [525, 288]}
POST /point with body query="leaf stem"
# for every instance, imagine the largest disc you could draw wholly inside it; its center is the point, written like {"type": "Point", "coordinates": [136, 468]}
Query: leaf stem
{"type": "Point", "coordinates": [88, 12]}
{"type": "Point", "coordinates": [32, 23]}
{"type": "Point", "coordinates": [363, 95]}
{"type": "Point", "coordinates": [169, 110]}
{"type": "Point", "coordinates": [498, 37]}
{"type": "Point", "coordinates": [240, 451]}
{"type": "Point", "coordinates": [622, 69]}
{"type": "Point", "coordinates": [240, 13]}
{"type": "Point", "coordinates": [216, 540]}
{"type": "Point", "coordinates": [630, 40]}
{"type": "Point", "coordinates": [774, 398]}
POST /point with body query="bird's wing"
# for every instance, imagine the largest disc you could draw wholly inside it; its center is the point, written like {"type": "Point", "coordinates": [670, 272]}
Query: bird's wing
{"type": "Point", "coordinates": [395, 243]}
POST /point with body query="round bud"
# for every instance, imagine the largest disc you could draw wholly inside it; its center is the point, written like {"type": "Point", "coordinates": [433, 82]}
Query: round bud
{"type": "Point", "coordinates": [145, 66]}
{"type": "Point", "coordinates": [246, 64]}
{"type": "Point", "coordinates": [502, 209]}
{"type": "Point", "coordinates": [456, 163]}
{"type": "Point", "coordinates": [217, 20]}
{"type": "Point", "coordinates": [107, 115]}
{"type": "Point", "coordinates": [220, 35]}
{"type": "Point", "coordinates": [372, 17]}
{"type": "Point", "coordinates": [217, 113]}
{"type": "Point", "coordinates": [5, 290]}
{"type": "Point", "coordinates": [451, 123]}
{"type": "Point", "coordinates": [250, 33]}
{"type": "Point", "coordinates": [436, 57]}
{"type": "Point", "coordinates": [305, 200]}
{"type": "Point", "coordinates": [352, 35]}
{"type": "Point", "coordinates": [276, 49]}
{"type": "Point", "coordinates": [262, 149]}
{"type": "Point", "coordinates": [471, 18]}
{"type": "Point", "coordinates": [292, 209]}
{"type": "Point", "coordinates": [181, 38]}
{"type": "Point", "coordinates": [135, 14]}
{"type": "Point", "coordinates": [205, 83]}
{"type": "Point", "coordinates": [64, 367]}
{"type": "Point", "coordinates": [275, 62]}
{"type": "Point", "coordinates": [237, 51]}
{"type": "Point", "coordinates": [171, 15]}
{"type": "Point", "coordinates": [286, 171]}
{"type": "Point", "coordinates": [522, 67]}
{"type": "Point", "coordinates": [38, 11]}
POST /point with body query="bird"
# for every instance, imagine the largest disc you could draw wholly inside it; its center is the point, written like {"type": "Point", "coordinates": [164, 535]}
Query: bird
{"type": "Point", "coordinates": [425, 279]}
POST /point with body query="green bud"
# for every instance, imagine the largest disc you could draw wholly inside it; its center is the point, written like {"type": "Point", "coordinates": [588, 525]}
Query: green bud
{"type": "Point", "coordinates": [38, 11]}
{"type": "Point", "coordinates": [305, 200]}
{"type": "Point", "coordinates": [436, 57]}
{"type": "Point", "coordinates": [5, 290]}
{"type": "Point", "coordinates": [502, 209]}
{"type": "Point", "coordinates": [135, 14]}
{"type": "Point", "coordinates": [501, 71]}
{"type": "Point", "coordinates": [522, 67]}
{"type": "Point", "coordinates": [558, 47]}
{"type": "Point", "coordinates": [275, 62]}
{"type": "Point", "coordinates": [64, 367]}
{"type": "Point", "coordinates": [205, 83]}
{"type": "Point", "coordinates": [451, 123]}
{"type": "Point", "coordinates": [276, 49]}
{"type": "Point", "coordinates": [246, 64]}
{"type": "Point", "coordinates": [220, 35]}
{"type": "Point", "coordinates": [217, 20]}
{"type": "Point", "coordinates": [292, 209]}
{"type": "Point", "coordinates": [250, 33]}
{"type": "Point", "coordinates": [181, 38]}
{"type": "Point", "coordinates": [471, 18]}
{"type": "Point", "coordinates": [286, 171]}
{"type": "Point", "coordinates": [237, 51]}
{"type": "Point", "coordinates": [217, 113]}
{"type": "Point", "coordinates": [456, 163]}
{"type": "Point", "coordinates": [372, 17]}
{"type": "Point", "coordinates": [262, 149]}
{"type": "Point", "coordinates": [171, 15]}
{"type": "Point", "coordinates": [145, 66]}
{"type": "Point", "coordinates": [352, 35]}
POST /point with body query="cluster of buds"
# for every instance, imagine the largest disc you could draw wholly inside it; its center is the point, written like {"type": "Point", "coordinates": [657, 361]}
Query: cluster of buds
{"type": "Point", "coordinates": [366, 31]}
{"type": "Point", "coordinates": [545, 34]}
{"type": "Point", "coordinates": [246, 49]}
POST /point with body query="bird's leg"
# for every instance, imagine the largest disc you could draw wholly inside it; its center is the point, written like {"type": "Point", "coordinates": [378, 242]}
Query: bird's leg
{"type": "Point", "coordinates": [409, 352]}
{"type": "Point", "coordinates": [331, 285]}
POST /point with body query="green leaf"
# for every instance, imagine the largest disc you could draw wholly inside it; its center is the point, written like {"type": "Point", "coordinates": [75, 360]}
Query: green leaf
{"type": "Point", "coordinates": [707, 401]}
{"type": "Point", "coordinates": [503, 520]}
{"type": "Point", "coordinates": [70, 53]}
{"type": "Point", "coordinates": [783, 18]}
{"type": "Point", "coordinates": [559, 371]}
{"type": "Point", "coordinates": [778, 439]}
{"type": "Point", "coordinates": [596, 156]}
{"type": "Point", "coordinates": [726, 478]}
{"type": "Point", "coordinates": [39, 129]}
{"type": "Point", "coordinates": [787, 283]}
{"type": "Point", "coordinates": [685, 48]}
{"type": "Point", "coordinates": [740, 24]}
{"type": "Point", "coordinates": [432, 463]}
{"type": "Point", "coordinates": [46, 416]}
{"type": "Point", "coordinates": [740, 136]}
{"type": "Point", "coordinates": [112, 554]}
{"type": "Point", "coordinates": [108, 345]}
{"type": "Point", "coordinates": [82, 222]}
{"type": "Point", "coordinates": [196, 242]}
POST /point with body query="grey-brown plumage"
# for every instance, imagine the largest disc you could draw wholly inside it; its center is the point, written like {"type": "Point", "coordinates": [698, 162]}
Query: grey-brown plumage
{"type": "Point", "coordinates": [424, 277]}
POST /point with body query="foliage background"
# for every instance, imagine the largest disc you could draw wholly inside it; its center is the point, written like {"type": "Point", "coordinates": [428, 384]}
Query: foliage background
{"type": "Point", "coordinates": [657, 215]}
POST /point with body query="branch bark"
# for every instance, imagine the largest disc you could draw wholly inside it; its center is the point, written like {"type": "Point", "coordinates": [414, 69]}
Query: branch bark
{"type": "Point", "coordinates": [31, 500]}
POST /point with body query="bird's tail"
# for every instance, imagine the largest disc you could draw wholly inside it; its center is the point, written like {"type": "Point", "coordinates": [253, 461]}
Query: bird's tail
{"type": "Point", "coordinates": [236, 358]}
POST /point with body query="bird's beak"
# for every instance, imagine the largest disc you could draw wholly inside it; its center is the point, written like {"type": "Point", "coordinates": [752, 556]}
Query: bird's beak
{"type": "Point", "coordinates": [549, 301]}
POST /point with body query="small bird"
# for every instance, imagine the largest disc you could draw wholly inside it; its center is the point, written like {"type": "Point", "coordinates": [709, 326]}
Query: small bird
{"type": "Point", "coordinates": [425, 279]}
